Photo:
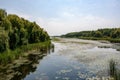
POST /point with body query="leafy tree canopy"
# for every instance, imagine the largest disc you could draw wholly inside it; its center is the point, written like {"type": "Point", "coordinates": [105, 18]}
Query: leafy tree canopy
{"type": "Point", "coordinates": [16, 31]}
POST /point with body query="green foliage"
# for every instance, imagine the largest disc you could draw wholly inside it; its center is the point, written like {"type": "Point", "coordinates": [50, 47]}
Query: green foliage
{"type": "Point", "coordinates": [16, 36]}
{"type": "Point", "coordinates": [6, 24]}
{"type": "Point", "coordinates": [22, 37]}
{"type": "Point", "coordinates": [34, 37]}
{"type": "Point", "coordinates": [112, 68]}
{"type": "Point", "coordinates": [116, 34]}
{"type": "Point", "coordinates": [10, 55]}
{"type": "Point", "coordinates": [112, 35]}
{"type": "Point", "coordinates": [16, 31]}
{"type": "Point", "coordinates": [3, 14]}
{"type": "Point", "coordinates": [3, 41]}
{"type": "Point", "coordinates": [16, 21]}
{"type": "Point", "coordinates": [13, 40]}
{"type": "Point", "coordinates": [98, 34]}
{"type": "Point", "coordinates": [114, 71]}
{"type": "Point", "coordinates": [55, 39]}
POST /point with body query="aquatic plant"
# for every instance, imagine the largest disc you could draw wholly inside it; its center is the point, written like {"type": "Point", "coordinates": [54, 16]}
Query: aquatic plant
{"type": "Point", "coordinates": [114, 71]}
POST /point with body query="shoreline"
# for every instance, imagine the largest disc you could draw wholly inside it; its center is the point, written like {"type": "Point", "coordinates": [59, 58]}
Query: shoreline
{"type": "Point", "coordinates": [31, 58]}
{"type": "Point", "coordinates": [11, 55]}
{"type": "Point", "coordinates": [97, 39]}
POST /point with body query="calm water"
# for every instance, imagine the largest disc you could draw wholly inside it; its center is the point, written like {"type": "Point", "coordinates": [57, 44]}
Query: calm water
{"type": "Point", "coordinates": [75, 59]}
{"type": "Point", "coordinates": [72, 59]}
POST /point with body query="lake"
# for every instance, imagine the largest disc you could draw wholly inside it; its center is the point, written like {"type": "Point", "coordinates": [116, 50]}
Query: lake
{"type": "Point", "coordinates": [73, 59]}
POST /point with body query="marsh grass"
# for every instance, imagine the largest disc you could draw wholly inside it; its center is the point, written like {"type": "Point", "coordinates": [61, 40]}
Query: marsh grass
{"type": "Point", "coordinates": [114, 71]}
{"type": "Point", "coordinates": [55, 39]}
{"type": "Point", "coordinates": [10, 55]}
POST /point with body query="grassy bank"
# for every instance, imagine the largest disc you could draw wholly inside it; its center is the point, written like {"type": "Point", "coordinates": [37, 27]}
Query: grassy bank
{"type": "Point", "coordinates": [117, 40]}
{"type": "Point", "coordinates": [55, 39]}
{"type": "Point", "coordinates": [10, 55]}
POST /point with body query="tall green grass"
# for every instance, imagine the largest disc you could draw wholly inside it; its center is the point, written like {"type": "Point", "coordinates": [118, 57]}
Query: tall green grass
{"type": "Point", "coordinates": [10, 55]}
{"type": "Point", "coordinates": [114, 71]}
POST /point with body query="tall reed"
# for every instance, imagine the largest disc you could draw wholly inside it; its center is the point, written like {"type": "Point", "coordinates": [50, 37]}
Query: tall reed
{"type": "Point", "coordinates": [114, 71]}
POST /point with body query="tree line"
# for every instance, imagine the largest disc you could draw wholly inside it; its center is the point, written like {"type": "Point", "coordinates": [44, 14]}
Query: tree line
{"type": "Point", "coordinates": [16, 31]}
{"type": "Point", "coordinates": [112, 34]}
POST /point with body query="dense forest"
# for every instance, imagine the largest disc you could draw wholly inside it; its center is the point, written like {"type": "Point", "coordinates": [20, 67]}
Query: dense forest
{"type": "Point", "coordinates": [16, 31]}
{"type": "Point", "coordinates": [112, 35]}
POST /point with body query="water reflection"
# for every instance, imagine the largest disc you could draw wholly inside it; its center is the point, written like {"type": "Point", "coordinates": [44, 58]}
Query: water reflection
{"type": "Point", "coordinates": [70, 60]}
{"type": "Point", "coordinates": [19, 71]}
{"type": "Point", "coordinates": [75, 61]}
{"type": "Point", "coordinates": [22, 71]}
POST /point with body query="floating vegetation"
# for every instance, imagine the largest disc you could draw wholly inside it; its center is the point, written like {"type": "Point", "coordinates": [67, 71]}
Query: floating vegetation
{"type": "Point", "coordinates": [118, 49]}
{"type": "Point", "coordinates": [64, 71]}
{"type": "Point", "coordinates": [81, 75]}
{"type": "Point", "coordinates": [104, 46]}
{"type": "Point", "coordinates": [66, 78]}
{"type": "Point", "coordinates": [57, 77]}
{"type": "Point", "coordinates": [73, 61]}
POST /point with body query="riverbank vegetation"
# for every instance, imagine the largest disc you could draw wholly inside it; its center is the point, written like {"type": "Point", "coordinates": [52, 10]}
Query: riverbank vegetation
{"type": "Point", "coordinates": [18, 35]}
{"type": "Point", "coordinates": [114, 71]}
{"type": "Point", "coordinates": [10, 55]}
{"type": "Point", "coordinates": [112, 35]}
{"type": "Point", "coordinates": [55, 39]}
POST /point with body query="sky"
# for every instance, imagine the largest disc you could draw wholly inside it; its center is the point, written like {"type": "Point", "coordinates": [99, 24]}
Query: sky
{"type": "Point", "coordinates": [59, 17]}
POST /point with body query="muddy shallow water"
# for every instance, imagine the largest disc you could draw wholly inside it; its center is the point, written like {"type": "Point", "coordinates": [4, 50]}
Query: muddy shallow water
{"type": "Point", "coordinates": [76, 59]}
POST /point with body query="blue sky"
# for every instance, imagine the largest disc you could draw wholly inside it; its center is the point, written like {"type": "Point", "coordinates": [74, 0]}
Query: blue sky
{"type": "Point", "coordinates": [62, 16]}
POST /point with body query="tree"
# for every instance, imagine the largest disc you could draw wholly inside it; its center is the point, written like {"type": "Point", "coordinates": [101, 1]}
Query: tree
{"type": "Point", "coordinates": [34, 37]}
{"type": "Point", "coordinates": [3, 14]}
{"type": "Point", "coordinates": [116, 34]}
{"type": "Point", "coordinates": [23, 37]}
{"type": "Point", "coordinates": [16, 31]}
{"type": "Point", "coordinates": [97, 34]}
{"type": "Point", "coordinates": [3, 41]}
{"type": "Point", "coordinates": [13, 40]}
{"type": "Point", "coordinates": [16, 21]}
{"type": "Point", "coordinates": [6, 24]}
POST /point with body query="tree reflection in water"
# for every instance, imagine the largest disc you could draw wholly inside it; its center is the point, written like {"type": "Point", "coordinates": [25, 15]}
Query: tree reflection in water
{"type": "Point", "coordinates": [24, 66]}
{"type": "Point", "coordinates": [26, 69]}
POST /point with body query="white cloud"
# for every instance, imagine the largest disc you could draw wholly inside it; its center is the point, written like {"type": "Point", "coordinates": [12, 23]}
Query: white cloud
{"type": "Point", "coordinates": [66, 14]}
